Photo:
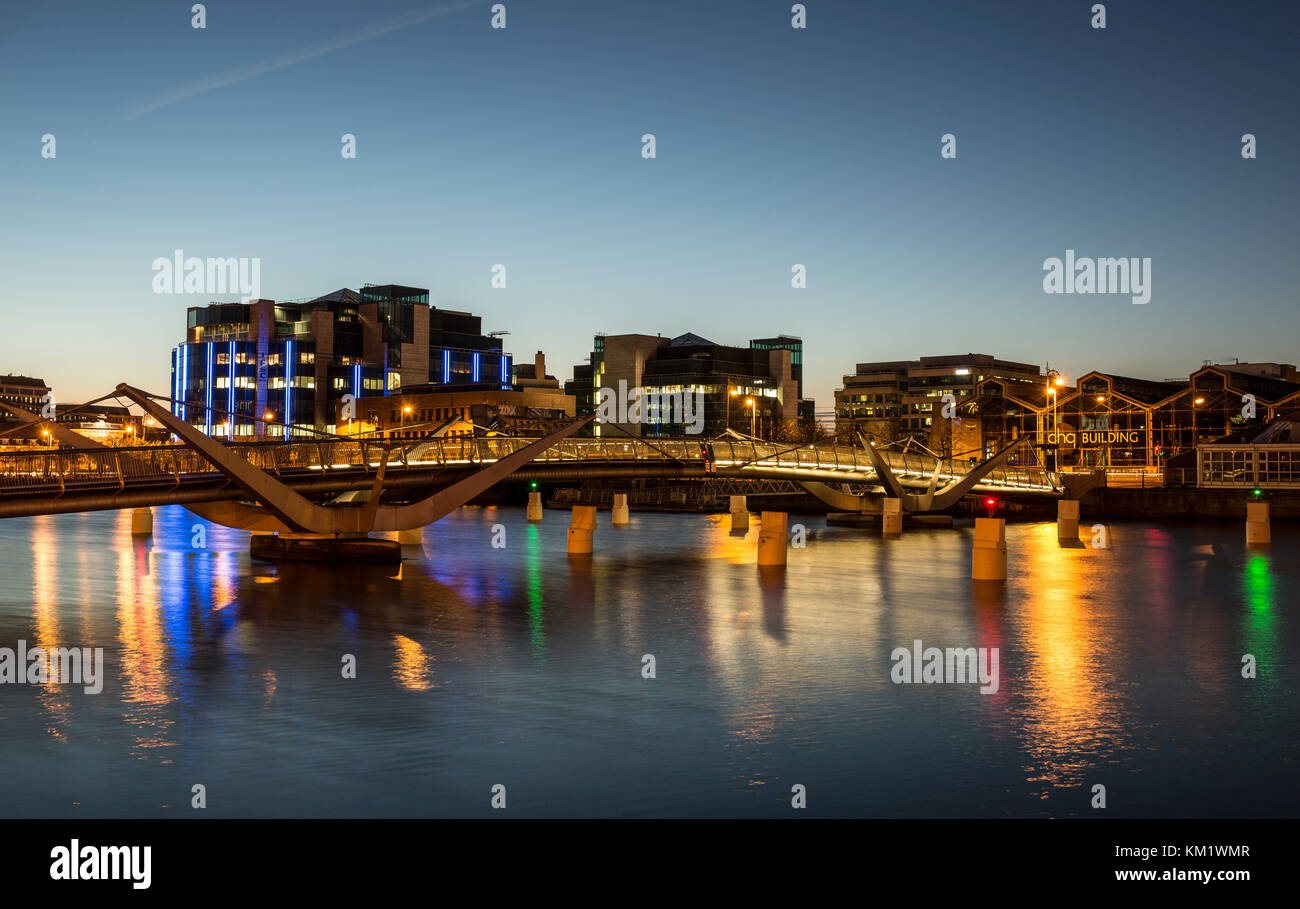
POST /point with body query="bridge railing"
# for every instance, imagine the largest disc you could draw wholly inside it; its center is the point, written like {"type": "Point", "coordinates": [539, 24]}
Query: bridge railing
{"type": "Point", "coordinates": [144, 464]}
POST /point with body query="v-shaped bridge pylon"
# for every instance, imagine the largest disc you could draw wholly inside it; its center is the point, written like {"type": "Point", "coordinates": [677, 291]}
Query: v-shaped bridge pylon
{"type": "Point", "coordinates": [285, 510]}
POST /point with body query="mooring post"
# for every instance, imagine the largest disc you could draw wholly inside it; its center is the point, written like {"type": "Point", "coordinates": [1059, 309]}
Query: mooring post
{"type": "Point", "coordinates": [1067, 520]}
{"type": "Point", "coordinates": [989, 562]}
{"type": "Point", "coordinates": [772, 538]}
{"type": "Point", "coordinates": [739, 514]}
{"type": "Point", "coordinates": [621, 515]}
{"type": "Point", "coordinates": [1257, 528]}
{"type": "Point", "coordinates": [582, 530]}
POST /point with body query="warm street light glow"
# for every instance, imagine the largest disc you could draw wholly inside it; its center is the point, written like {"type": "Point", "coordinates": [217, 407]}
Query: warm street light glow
{"type": "Point", "coordinates": [406, 409]}
{"type": "Point", "coordinates": [1199, 401]}
{"type": "Point", "coordinates": [267, 415]}
{"type": "Point", "coordinates": [1100, 398]}
{"type": "Point", "coordinates": [1060, 380]}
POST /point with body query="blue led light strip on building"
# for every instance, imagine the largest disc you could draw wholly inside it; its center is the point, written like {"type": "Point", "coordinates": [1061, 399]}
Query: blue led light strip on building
{"type": "Point", "coordinates": [230, 392]}
{"type": "Point", "coordinates": [176, 381]}
{"type": "Point", "coordinates": [185, 380]}
{"type": "Point", "coordinates": [356, 380]}
{"type": "Point", "coordinates": [288, 388]}
{"type": "Point", "coordinates": [476, 361]}
{"type": "Point", "coordinates": [207, 394]}
{"type": "Point", "coordinates": [446, 366]}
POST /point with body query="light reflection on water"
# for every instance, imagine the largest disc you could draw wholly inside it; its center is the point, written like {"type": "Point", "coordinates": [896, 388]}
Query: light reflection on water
{"type": "Point", "coordinates": [478, 665]}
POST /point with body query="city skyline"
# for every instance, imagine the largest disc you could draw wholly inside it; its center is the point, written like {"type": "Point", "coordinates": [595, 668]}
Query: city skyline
{"type": "Point", "coordinates": [478, 147]}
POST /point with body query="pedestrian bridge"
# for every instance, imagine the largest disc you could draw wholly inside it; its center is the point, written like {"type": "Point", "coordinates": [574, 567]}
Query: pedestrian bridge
{"type": "Point", "coordinates": [306, 486]}
{"type": "Point", "coordinates": [44, 482]}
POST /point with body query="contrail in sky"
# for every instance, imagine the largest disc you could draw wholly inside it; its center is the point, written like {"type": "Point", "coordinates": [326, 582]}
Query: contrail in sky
{"type": "Point", "coordinates": [293, 58]}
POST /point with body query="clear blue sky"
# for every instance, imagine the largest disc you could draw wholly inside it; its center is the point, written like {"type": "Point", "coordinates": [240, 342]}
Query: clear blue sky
{"type": "Point", "coordinates": [775, 147]}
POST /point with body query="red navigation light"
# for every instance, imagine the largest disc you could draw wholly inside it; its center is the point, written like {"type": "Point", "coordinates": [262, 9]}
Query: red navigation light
{"type": "Point", "coordinates": [990, 502]}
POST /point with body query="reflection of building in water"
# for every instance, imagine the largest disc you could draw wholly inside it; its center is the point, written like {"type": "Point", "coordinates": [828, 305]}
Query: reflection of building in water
{"type": "Point", "coordinates": [1072, 713]}
{"type": "Point", "coordinates": [1107, 420]}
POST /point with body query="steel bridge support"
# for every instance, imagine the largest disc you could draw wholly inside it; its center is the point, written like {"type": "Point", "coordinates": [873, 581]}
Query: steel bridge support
{"type": "Point", "coordinates": [284, 510]}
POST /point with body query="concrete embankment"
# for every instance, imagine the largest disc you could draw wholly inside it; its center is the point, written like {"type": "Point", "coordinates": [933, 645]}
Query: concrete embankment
{"type": "Point", "coordinates": [1186, 504]}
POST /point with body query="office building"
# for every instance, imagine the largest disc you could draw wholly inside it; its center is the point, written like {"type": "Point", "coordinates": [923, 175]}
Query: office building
{"type": "Point", "coordinates": [251, 370]}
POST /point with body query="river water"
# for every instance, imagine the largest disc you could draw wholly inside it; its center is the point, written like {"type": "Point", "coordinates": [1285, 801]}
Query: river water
{"type": "Point", "coordinates": [479, 665]}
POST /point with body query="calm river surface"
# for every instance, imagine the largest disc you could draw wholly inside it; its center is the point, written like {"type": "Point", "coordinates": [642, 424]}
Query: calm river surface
{"type": "Point", "coordinates": [479, 666]}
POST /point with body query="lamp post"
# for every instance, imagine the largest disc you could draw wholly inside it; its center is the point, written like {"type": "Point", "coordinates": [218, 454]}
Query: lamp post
{"type": "Point", "coordinates": [1195, 403]}
{"type": "Point", "coordinates": [753, 412]}
{"type": "Point", "coordinates": [731, 393]}
{"type": "Point", "coordinates": [1051, 410]}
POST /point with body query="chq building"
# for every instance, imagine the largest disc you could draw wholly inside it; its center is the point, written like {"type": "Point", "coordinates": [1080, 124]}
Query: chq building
{"type": "Point", "coordinates": [1114, 421]}
{"type": "Point", "coordinates": [251, 370]}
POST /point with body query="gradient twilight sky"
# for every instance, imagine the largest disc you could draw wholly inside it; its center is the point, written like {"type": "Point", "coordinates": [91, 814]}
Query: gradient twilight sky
{"type": "Point", "coordinates": [775, 146]}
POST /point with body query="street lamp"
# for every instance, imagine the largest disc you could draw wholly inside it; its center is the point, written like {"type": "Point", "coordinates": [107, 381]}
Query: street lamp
{"type": "Point", "coordinates": [753, 412]}
{"type": "Point", "coordinates": [1195, 403]}
{"type": "Point", "coordinates": [732, 392]}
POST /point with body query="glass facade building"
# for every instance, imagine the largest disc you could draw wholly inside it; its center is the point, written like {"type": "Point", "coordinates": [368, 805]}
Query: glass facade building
{"type": "Point", "coordinates": [270, 370]}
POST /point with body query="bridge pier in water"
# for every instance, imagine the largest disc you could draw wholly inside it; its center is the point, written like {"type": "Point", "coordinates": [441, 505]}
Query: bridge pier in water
{"type": "Point", "coordinates": [1067, 521]}
{"type": "Point", "coordinates": [582, 530]}
{"type": "Point", "coordinates": [1257, 523]}
{"type": "Point", "coordinates": [534, 506]}
{"type": "Point", "coordinates": [318, 547]}
{"type": "Point", "coordinates": [621, 516]}
{"type": "Point", "coordinates": [739, 515]}
{"type": "Point", "coordinates": [989, 559]}
{"type": "Point", "coordinates": [413, 537]}
{"type": "Point", "coordinates": [142, 522]}
{"type": "Point", "coordinates": [772, 538]}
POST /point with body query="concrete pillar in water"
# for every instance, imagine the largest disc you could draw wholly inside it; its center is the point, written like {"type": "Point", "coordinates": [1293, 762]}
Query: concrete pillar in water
{"type": "Point", "coordinates": [412, 537]}
{"type": "Point", "coordinates": [1257, 529]}
{"type": "Point", "coordinates": [990, 556]}
{"type": "Point", "coordinates": [142, 522]}
{"type": "Point", "coordinates": [620, 509]}
{"type": "Point", "coordinates": [891, 519]}
{"type": "Point", "coordinates": [772, 538]}
{"type": "Point", "coordinates": [739, 514]}
{"type": "Point", "coordinates": [1067, 520]}
{"type": "Point", "coordinates": [534, 506]}
{"type": "Point", "coordinates": [582, 530]}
